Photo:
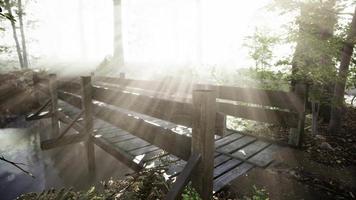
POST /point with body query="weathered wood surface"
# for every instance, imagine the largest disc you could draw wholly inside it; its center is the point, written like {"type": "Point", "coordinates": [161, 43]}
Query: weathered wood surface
{"type": "Point", "coordinates": [138, 153]}
{"type": "Point", "coordinates": [53, 86]}
{"type": "Point", "coordinates": [278, 117]}
{"type": "Point", "coordinates": [280, 99]}
{"type": "Point", "coordinates": [174, 111]}
{"type": "Point", "coordinates": [155, 105]}
{"type": "Point", "coordinates": [176, 144]}
{"type": "Point", "coordinates": [178, 187]}
{"type": "Point", "coordinates": [204, 117]}
{"type": "Point", "coordinates": [68, 139]}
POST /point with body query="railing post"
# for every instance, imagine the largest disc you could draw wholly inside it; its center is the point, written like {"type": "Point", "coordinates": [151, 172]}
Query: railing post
{"type": "Point", "coordinates": [204, 114]}
{"type": "Point", "coordinates": [88, 122]}
{"type": "Point", "coordinates": [53, 85]}
{"type": "Point", "coordinates": [296, 134]}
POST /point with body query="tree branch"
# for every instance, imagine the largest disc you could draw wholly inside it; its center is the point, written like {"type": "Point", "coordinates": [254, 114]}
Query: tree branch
{"type": "Point", "coordinates": [17, 165]}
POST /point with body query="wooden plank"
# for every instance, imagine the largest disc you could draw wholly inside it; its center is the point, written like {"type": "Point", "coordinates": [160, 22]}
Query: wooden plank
{"type": "Point", "coordinates": [153, 155]}
{"type": "Point", "coordinates": [272, 98]}
{"type": "Point", "coordinates": [228, 139]}
{"type": "Point", "coordinates": [38, 111]}
{"type": "Point", "coordinates": [42, 115]}
{"type": "Point", "coordinates": [156, 135]}
{"type": "Point", "coordinates": [234, 146]}
{"type": "Point", "coordinates": [226, 167]}
{"type": "Point", "coordinates": [166, 139]}
{"type": "Point", "coordinates": [161, 161]}
{"type": "Point", "coordinates": [117, 153]}
{"type": "Point", "coordinates": [250, 150]}
{"type": "Point", "coordinates": [183, 179]}
{"type": "Point", "coordinates": [68, 139]}
{"type": "Point", "coordinates": [133, 144]}
{"type": "Point", "coordinates": [226, 178]}
{"type": "Point", "coordinates": [265, 157]}
{"type": "Point", "coordinates": [220, 159]}
{"type": "Point", "coordinates": [203, 131]}
{"type": "Point", "coordinates": [167, 86]}
{"type": "Point", "coordinates": [70, 86]}
{"type": "Point", "coordinates": [121, 138]}
{"type": "Point", "coordinates": [175, 168]}
{"type": "Point", "coordinates": [174, 111]}
{"type": "Point", "coordinates": [108, 134]}
{"type": "Point", "coordinates": [278, 117]}
{"type": "Point", "coordinates": [143, 150]}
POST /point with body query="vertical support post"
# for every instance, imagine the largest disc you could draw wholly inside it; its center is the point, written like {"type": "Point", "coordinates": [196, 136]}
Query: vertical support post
{"type": "Point", "coordinates": [88, 122]}
{"type": "Point", "coordinates": [122, 75]}
{"type": "Point", "coordinates": [36, 95]}
{"type": "Point", "coordinates": [204, 117]}
{"type": "Point", "coordinates": [296, 134]}
{"type": "Point", "coordinates": [53, 85]}
{"type": "Point", "coordinates": [220, 128]}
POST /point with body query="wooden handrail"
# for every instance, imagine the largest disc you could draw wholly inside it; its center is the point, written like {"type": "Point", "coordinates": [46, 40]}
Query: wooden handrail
{"type": "Point", "coordinates": [40, 109]}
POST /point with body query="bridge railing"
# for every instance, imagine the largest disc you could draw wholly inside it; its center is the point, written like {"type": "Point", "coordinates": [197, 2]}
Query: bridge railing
{"type": "Point", "coordinates": [199, 106]}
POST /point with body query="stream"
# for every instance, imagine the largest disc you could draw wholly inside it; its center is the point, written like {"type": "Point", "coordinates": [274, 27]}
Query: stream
{"type": "Point", "coordinates": [56, 168]}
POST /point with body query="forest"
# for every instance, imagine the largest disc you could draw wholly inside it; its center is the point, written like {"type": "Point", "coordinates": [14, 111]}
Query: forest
{"type": "Point", "coordinates": [178, 99]}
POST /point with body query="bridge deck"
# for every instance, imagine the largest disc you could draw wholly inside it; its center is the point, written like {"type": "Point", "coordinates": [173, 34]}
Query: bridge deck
{"type": "Point", "coordinates": [235, 153]}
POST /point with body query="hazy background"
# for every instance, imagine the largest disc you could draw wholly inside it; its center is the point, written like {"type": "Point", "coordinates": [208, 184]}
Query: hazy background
{"type": "Point", "coordinates": [155, 32]}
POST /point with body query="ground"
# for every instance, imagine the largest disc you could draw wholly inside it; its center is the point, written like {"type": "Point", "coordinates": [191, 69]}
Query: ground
{"type": "Point", "coordinates": [324, 168]}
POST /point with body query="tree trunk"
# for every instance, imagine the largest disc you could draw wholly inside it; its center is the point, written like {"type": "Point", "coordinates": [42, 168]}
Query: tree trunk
{"type": "Point", "coordinates": [14, 32]}
{"type": "Point", "coordinates": [326, 32]}
{"type": "Point", "coordinates": [339, 90]}
{"type": "Point", "coordinates": [118, 57]}
{"type": "Point", "coordinates": [315, 115]}
{"type": "Point", "coordinates": [23, 38]}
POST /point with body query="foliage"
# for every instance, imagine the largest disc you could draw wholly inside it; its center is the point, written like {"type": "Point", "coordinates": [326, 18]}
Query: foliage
{"type": "Point", "coordinates": [258, 194]}
{"type": "Point", "coordinates": [190, 193]}
{"type": "Point", "coordinates": [260, 46]}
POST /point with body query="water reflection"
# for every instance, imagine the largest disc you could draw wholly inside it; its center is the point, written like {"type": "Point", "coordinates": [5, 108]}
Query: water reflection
{"type": "Point", "coordinates": [56, 168]}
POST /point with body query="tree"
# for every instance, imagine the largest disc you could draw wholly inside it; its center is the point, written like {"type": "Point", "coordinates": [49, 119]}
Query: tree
{"type": "Point", "coordinates": [339, 90]}
{"type": "Point", "coordinates": [8, 6]}
{"type": "Point", "coordinates": [22, 31]}
{"type": "Point", "coordinates": [118, 57]}
{"type": "Point", "coordinates": [260, 46]}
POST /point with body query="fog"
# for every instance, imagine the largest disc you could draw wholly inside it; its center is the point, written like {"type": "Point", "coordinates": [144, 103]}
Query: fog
{"type": "Point", "coordinates": [72, 35]}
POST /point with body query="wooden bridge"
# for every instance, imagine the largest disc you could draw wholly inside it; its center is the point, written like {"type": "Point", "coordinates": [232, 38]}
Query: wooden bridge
{"type": "Point", "coordinates": [150, 123]}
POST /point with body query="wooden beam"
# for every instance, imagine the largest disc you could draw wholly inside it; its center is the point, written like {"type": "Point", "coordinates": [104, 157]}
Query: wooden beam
{"type": "Point", "coordinates": [284, 118]}
{"type": "Point", "coordinates": [183, 179]}
{"type": "Point", "coordinates": [68, 139]}
{"type": "Point", "coordinates": [176, 144]}
{"type": "Point", "coordinates": [204, 114]}
{"type": "Point", "coordinates": [38, 111]}
{"type": "Point", "coordinates": [70, 125]}
{"type": "Point", "coordinates": [272, 98]}
{"type": "Point", "coordinates": [87, 108]}
{"type": "Point", "coordinates": [122, 156]}
{"type": "Point", "coordinates": [173, 111]}
{"type": "Point", "coordinates": [54, 104]}
{"type": "Point", "coordinates": [45, 114]}
{"type": "Point", "coordinates": [66, 119]}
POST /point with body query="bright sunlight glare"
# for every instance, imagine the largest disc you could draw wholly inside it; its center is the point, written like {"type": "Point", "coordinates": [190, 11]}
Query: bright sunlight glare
{"type": "Point", "coordinates": [156, 32]}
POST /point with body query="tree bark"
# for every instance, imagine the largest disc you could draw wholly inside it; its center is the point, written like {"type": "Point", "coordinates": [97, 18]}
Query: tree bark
{"type": "Point", "coordinates": [23, 38]}
{"type": "Point", "coordinates": [339, 90]}
{"type": "Point", "coordinates": [14, 32]}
